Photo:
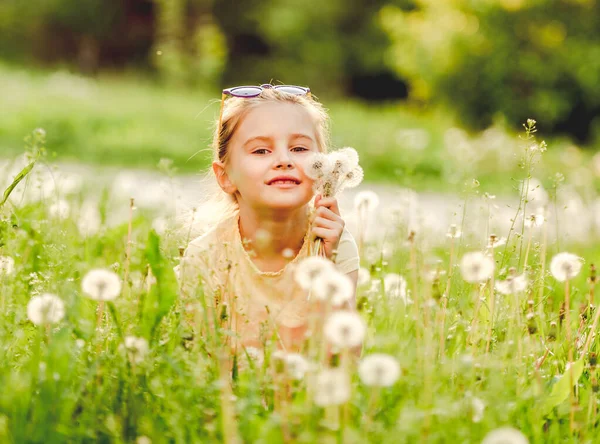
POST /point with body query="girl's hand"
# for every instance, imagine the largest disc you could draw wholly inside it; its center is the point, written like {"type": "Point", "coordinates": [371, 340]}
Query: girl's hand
{"type": "Point", "coordinates": [328, 224]}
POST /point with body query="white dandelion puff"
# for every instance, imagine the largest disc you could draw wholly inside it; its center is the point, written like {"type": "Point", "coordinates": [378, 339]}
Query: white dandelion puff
{"type": "Point", "coordinates": [351, 179]}
{"type": "Point", "coordinates": [476, 267]}
{"type": "Point", "coordinates": [345, 329]}
{"type": "Point", "coordinates": [379, 370]}
{"type": "Point", "coordinates": [309, 269]}
{"type": "Point", "coordinates": [7, 265]}
{"type": "Point", "coordinates": [453, 232]}
{"type": "Point", "coordinates": [45, 309]}
{"type": "Point", "coordinates": [534, 220]}
{"type": "Point", "coordinates": [395, 287]}
{"type": "Point", "coordinates": [512, 285]}
{"type": "Point", "coordinates": [565, 266]}
{"type": "Point", "coordinates": [350, 154]}
{"type": "Point", "coordinates": [136, 348]}
{"type": "Point", "coordinates": [60, 209]}
{"type": "Point", "coordinates": [333, 286]}
{"type": "Point", "coordinates": [101, 285]}
{"type": "Point", "coordinates": [366, 201]}
{"type": "Point", "coordinates": [364, 276]}
{"type": "Point", "coordinates": [296, 365]}
{"type": "Point", "coordinates": [332, 387]}
{"type": "Point", "coordinates": [477, 409]}
{"type": "Point", "coordinates": [318, 166]}
{"type": "Point", "coordinates": [497, 242]}
{"type": "Point", "coordinates": [505, 435]}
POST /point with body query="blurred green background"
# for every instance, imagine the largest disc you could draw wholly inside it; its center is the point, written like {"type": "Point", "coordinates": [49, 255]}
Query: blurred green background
{"type": "Point", "coordinates": [431, 93]}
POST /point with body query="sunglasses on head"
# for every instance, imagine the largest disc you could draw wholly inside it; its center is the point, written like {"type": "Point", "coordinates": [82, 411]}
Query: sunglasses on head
{"type": "Point", "coordinates": [245, 92]}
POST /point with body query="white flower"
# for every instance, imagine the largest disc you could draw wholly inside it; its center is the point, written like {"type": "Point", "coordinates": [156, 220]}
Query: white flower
{"type": "Point", "coordinates": [345, 329]}
{"type": "Point", "coordinates": [366, 201]}
{"type": "Point", "coordinates": [505, 435]}
{"type": "Point", "coordinates": [565, 266]}
{"type": "Point", "coordinates": [476, 267]}
{"type": "Point", "coordinates": [342, 162]}
{"type": "Point", "coordinates": [364, 276]}
{"type": "Point", "coordinates": [512, 285]}
{"type": "Point", "coordinates": [332, 387]}
{"type": "Point", "coordinates": [379, 370]}
{"type": "Point", "coordinates": [350, 155]}
{"type": "Point", "coordinates": [395, 287]}
{"type": "Point", "coordinates": [498, 242]}
{"type": "Point", "coordinates": [45, 309]}
{"type": "Point", "coordinates": [318, 166]}
{"type": "Point", "coordinates": [137, 348]}
{"type": "Point", "coordinates": [101, 285]}
{"type": "Point", "coordinates": [60, 210]}
{"type": "Point", "coordinates": [351, 179]}
{"type": "Point", "coordinates": [333, 286]}
{"type": "Point", "coordinates": [7, 265]}
{"type": "Point", "coordinates": [309, 269]}
{"type": "Point", "coordinates": [453, 232]}
{"type": "Point", "coordinates": [534, 220]}
{"type": "Point", "coordinates": [477, 409]}
{"type": "Point", "coordinates": [296, 365]}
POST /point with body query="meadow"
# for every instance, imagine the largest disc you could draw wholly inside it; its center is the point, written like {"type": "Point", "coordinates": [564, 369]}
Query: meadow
{"type": "Point", "coordinates": [129, 121]}
{"type": "Point", "coordinates": [470, 337]}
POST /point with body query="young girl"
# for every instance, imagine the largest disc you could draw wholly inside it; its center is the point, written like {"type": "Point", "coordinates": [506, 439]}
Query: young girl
{"type": "Point", "coordinates": [246, 261]}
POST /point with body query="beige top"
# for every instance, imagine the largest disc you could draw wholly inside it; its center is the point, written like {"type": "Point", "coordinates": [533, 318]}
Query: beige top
{"type": "Point", "coordinates": [258, 303]}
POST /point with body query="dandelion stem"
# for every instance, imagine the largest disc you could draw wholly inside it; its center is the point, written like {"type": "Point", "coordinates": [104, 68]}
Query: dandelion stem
{"type": "Point", "coordinates": [128, 249]}
{"type": "Point", "coordinates": [492, 307]}
{"type": "Point", "coordinates": [527, 249]}
{"type": "Point", "coordinates": [445, 301]}
{"type": "Point", "coordinates": [570, 355]}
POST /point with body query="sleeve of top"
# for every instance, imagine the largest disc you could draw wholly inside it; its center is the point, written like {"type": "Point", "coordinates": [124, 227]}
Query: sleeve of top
{"type": "Point", "coordinates": [347, 259]}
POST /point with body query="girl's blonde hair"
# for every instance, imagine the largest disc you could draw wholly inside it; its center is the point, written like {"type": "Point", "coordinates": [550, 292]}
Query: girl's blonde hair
{"type": "Point", "coordinates": [216, 205]}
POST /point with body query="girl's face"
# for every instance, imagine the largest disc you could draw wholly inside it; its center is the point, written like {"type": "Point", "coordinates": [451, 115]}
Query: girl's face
{"type": "Point", "coordinates": [266, 158]}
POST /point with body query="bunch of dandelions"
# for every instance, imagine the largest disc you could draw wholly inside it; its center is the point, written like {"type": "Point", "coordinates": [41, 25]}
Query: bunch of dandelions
{"type": "Point", "coordinates": [332, 173]}
{"type": "Point", "coordinates": [322, 280]}
{"type": "Point", "coordinates": [335, 171]}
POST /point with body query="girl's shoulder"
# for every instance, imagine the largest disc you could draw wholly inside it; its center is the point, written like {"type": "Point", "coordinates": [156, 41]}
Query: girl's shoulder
{"type": "Point", "coordinates": [216, 237]}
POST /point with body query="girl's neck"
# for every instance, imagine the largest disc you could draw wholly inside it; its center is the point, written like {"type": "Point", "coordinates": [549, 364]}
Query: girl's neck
{"type": "Point", "coordinates": [270, 234]}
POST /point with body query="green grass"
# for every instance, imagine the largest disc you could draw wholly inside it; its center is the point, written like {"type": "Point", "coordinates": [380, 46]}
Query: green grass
{"type": "Point", "coordinates": [129, 121]}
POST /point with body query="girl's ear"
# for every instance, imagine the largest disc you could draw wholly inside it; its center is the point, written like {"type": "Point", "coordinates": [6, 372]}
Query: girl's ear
{"type": "Point", "coordinates": [223, 178]}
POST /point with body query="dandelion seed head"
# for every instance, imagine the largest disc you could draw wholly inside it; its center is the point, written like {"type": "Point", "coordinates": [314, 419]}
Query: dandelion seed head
{"type": "Point", "coordinates": [512, 285]}
{"type": "Point", "coordinates": [318, 166]}
{"type": "Point", "coordinates": [60, 209]}
{"type": "Point", "coordinates": [309, 269]}
{"type": "Point", "coordinates": [366, 201]}
{"type": "Point", "coordinates": [345, 329]}
{"type": "Point", "coordinates": [101, 285]}
{"type": "Point", "coordinates": [364, 276]}
{"type": "Point", "coordinates": [395, 287]}
{"type": "Point", "coordinates": [505, 435]}
{"type": "Point", "coordinates": [534, 220]}
{"type": "Point", "coordinates": [453, 232]}
{"type": "Point", "coordinates": [352, 178]}
{"type": "Point", "coordinates": [379, 370]}
{"type": "Point", "coordinates": [7, 265]}
{"type": "Point", "coordinates": [332, 387]}
{"type": "Point", "coordinates": [476, 267]}
{"type": "Point", "coordinates": [45, 309]}
{"type": "Point", "coordinates": [565, 266]}
{"type": "Point", "coordinates": [136, 348]}
{"type": "Point", "coordinates": [350, 154]}
{"type": "Point", "coordinates": [297, 365]}
{"type": "Point", "coordinates": [333, 286]}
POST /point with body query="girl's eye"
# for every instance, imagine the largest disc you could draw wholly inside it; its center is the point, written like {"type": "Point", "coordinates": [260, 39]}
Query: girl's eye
{"type": "Point", "coordinates": [299, 149]}
{"type": "Point", "coordinates": [260, 151]}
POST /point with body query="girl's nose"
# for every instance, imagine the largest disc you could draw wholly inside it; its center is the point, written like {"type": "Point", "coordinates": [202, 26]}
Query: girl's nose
{"type": "Point", "coordinates": [283, 159]}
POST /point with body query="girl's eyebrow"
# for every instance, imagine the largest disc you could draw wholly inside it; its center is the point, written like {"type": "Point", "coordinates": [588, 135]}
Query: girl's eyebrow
{"type": "Point", "coordinates": [301, 136]}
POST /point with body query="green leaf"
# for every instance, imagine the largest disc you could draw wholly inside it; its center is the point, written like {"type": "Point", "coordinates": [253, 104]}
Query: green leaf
{"type": "Point", "coordinates": [24, 172]}
{"type": "Point", "coordinates": [560, 390]}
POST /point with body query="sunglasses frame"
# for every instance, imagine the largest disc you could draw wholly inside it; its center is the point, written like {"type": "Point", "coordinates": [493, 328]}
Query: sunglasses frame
{"type": "Point", "coordinates": [231, 92]}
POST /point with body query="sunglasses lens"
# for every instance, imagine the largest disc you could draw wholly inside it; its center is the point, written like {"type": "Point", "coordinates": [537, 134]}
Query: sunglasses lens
{"type": "Point", "coordinates": [291, 89]}
{"type": "Point", "coordinates": [245, 91]}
